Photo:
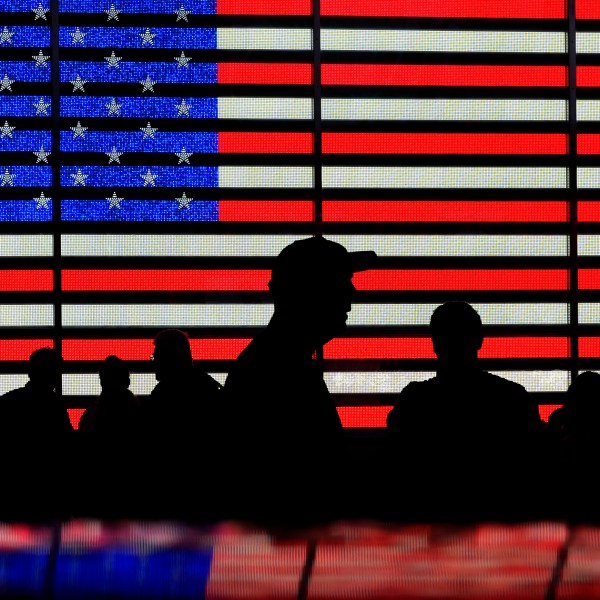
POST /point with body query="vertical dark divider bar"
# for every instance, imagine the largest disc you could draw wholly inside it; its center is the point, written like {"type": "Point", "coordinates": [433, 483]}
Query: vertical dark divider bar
{"type": "Point", "coordinates": [317, 145]}
{"type": "Point", "coordinates": [573, 192]}
{"type": "Point", "coordinates": [56, 188]}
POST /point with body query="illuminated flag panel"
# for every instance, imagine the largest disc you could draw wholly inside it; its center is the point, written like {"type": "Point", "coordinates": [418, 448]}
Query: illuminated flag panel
{"type": "Point", "coordinates": [150, 174]}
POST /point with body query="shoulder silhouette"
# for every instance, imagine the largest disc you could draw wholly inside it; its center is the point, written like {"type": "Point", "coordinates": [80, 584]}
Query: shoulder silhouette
{"type": "Point", "coordinates": [464, 429]}
{"type": "Point", "coordinates": [181, 421]}
{"type": "Point", "coordinates": [109, 432]}
{"type": "Point", "coordinates": [287, 434]}
{"type": "Point", "coordinates": [37, 440]}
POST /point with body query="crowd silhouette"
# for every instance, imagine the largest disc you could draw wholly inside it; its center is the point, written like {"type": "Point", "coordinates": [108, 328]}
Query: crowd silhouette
{"type": "Point", "coordinates": [269, 446]}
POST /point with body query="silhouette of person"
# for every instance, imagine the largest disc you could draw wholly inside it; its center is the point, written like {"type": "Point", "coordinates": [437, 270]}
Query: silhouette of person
{"type": "Point", "coordinates": [109, 432]}
{"type": "Point", "coordinates": [287, 440]}
{"type": "Point", "coordinates": [180, 424]}
{"type": "Point", "coordinates": [466, 438]}
{"type": "Point", "coordinates": [38, 441]}
{"type": "Point", "coordinates": [576, 428]}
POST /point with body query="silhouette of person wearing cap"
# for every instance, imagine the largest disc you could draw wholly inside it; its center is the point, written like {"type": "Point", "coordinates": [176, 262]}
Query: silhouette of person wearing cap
{"type": "Point", "coordinates": [38, 442]}
{"type": "Point", "coordinates": [287, 435]}
{"type": "Point", "coordinates": [179, 423]}
{"type": "Point", "coordinates": [463, 442]}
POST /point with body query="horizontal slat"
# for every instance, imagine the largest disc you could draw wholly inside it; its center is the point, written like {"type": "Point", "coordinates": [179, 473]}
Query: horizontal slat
{"type": "Point", "coordinates": [274, 38]}
{"type": "Point", "coordinates": [432, 40]}
{"type": "Point", "coordinates": [265, 108]}
{"type": "Point", "coordinates": [451, 211]}
{"type": "Point", "coordinates": [257, 315]}
{"type": "Point", "coordinates": [446, 109]}
{"type": "Point", "coordinates": [271, 245]}
{"type": "Point", "coordinates": [457, 245]}
{"type": "Point", "coordinates": [25, 245]}
{"type": "Point", "coordinates": [462, 9]}
{"type": "Point", "coordinates": [174, 245]}
{"type": "Point", "coordinates": [26, 315]}
{"type": "Point", "coordinates": [88, 384]}
{"type": "Point", "coordinates": [394, 382]}
{"type": "Point", "coordinates": [166, 315]}
{"type": "Point", "coordinates": [382, 314]}
{"type": "Point", "coordinates": [452, 177]}
{"type": "Point", "coordinates": [265, 177]}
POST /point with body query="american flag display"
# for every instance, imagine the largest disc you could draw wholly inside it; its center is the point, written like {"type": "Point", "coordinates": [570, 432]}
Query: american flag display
{"type": "Point", "coordinates": [156, 155]}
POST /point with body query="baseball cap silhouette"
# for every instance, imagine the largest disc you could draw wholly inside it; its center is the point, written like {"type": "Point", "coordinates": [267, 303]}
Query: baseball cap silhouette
{"type": "Point", "coordinates": [315, 261]}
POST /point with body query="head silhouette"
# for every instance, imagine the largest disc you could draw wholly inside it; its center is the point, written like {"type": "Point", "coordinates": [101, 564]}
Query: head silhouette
{"type": "Point", "coordinates": [456, 333]}
{"type": "Point", "coordinates": [172, 354]}
{"type": "Point", "coordinates": [311, 285]}
{"type": "Point", "coordinates": [45, 367]}
{"type": "Point", "coordinates": [583, 399]}
{"type": "Point", "coordinates": [114, 374]}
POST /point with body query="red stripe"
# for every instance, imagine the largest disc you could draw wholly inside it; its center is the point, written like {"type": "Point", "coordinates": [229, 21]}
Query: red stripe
{"type": "Point", "coordinates": [445, 143]}
{"type": "Point", "coordinates": [165, 280]}
{"type": "Point", "coordinates": [587, 9]}
{"type": "Point", "coordinates": [588, 143]}
{"type": "Point", "coordinates": [448, 75]}
{"type": "Point", "coordinates": [375, 416]}
{"type": "Point", "coordinates": [499, 9]}
{"type": "Point", "coordinates": [265, 73]}
{"type": "Point", "coordinates": [141, 349]}
{"type": "Point", "coordinates": [363, 416]}
{"type": "Point", "coordinates": [263, 143]}
{"type": "Point", "coordinates": [546, 410]}
{"type": "Point", "coordinates": [26, 280]}
{"type": "Point", "coordinates": [422, 348]}
{"type": "Point", "coordinates": [257, 280]}
{"type": "Point", "coordinates": [588, 211]}
{"type": "Point", "coordinates": [589, 279]}
{"type": "Point", "coordinates": [454, 279]}
{"type": "Point", "coordinates": [75, 416]}
{"type": "Point", "coordinates": [589, 347]}
{"type": "Point", "coordinates": [264, 7]}
{"type": "Point", "coordinates": [266, 210]}
{"type": "Point", "coordinates": [588, 76]}
{"type": "Point", "coordinates": [438, 211]}
{"type": "Point", "coordinates": [20, 350]}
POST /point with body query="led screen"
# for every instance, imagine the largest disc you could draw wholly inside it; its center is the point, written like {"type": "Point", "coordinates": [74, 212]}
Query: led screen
{"type": "Point", "coordinates": [155, 155]}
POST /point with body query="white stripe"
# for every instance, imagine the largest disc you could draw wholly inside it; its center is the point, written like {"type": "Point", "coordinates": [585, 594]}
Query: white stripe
{"type": "Point", "coordinates": [588, 42]}
{"type": "Point", "coordinates": [267, 177]}
{"type": "Point", "coordinates": [258, 315]}
{"type": "Point", "coordinates": [445, 177]}
{"type": "Point", "coordinates": [588, 177]}
{"type": "Point", "coordinates": [265, 108]}
{"type": "Point", "coordinates": [588, 110]}
{"type": "Point", "coordinates": [589, 313]}
{"type": "Point", "coordinates": [88, 384]}
{"type": "Point", "coordinates": [247, 38]}
{"type": "Point", "coordinates": [409, 40]}
{"type": "Point", "coordinates": [166, 315]}
{"type": "Point", "coordinates": [588, 245]}
{"type": "Point", "coordinates": [457, 245]}
{"type": "Point", "coordinates": [174, 245]}
{"type": "Point", "coordinates": [372, 382]}
{"type": "Point", "coordinates": [12, 381]}
{"type": "Point", "coordinates": [443, 109]}
{"type": "Point", "coordinates": [538, 381]}
{"type": "Point", "coordinates": [26, 315]}
{"type": "Point", "coordinates": [394, 382]}
{"type": "Point", "coordinates": [402, 315]}
{"type": "Point", "coordinates": [26, 245]}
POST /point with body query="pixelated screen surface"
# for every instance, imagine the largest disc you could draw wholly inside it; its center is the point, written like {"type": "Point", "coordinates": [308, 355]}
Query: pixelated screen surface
{"type": "Point", "coordinates": [155, 155]}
